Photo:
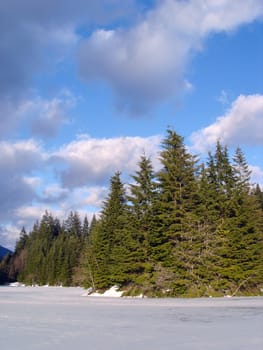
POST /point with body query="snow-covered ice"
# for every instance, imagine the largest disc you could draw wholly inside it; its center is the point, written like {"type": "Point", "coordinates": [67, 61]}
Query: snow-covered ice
{"type": "Point", "coordinates": [61, 319]}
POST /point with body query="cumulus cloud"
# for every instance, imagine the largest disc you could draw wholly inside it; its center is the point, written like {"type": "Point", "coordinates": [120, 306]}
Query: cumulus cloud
{"type": "Point", "coordinates": [34, 38]}
{"type": "Point", "coordinates": [93, 161]}
{"type": "Point", "coordinates": [49, 115]}
{"type": "Point", "coordinates": [53, 193]}
{"type": "Point", "coordinates": [241, 125]}
{"type": "Point", "coordinates": [28, 30]}
{"type": "Point", "coordinates": [85, 198]}
{"type": "Point", "coordinates": [145, 64]}
{"type": "Point", "coordinates": [90, 196]}
{"type": "Point", "coordinates": [42, 116]}
{"type": "Point", "coordinates": [28, 212]}
{"type": "Point", "coordinates": [21, 156]}
{"type": "Point", "coordinates": [9, 235]}
{"type": "Point", "coordinates": [17, 162]}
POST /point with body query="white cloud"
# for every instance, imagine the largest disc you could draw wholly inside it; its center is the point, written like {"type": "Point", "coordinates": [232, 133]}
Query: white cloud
{"type": "Point", "coordinates": [93, 197]}
{"type": "Point", "coordinates": [42, 116]}
{"type": "Point", "coordinates": [20, 157]}
{"type": "Point", "coordinates": [226, 15]}
{"type": "Point", "coordinates": [241, 125]}
{"type": "Point", "coordinates": [32, 181]}
{"type": "Point", "coordinates": [53, 193]}
{"type": "Point", "coordinates": [256, 175]}
{"type": "Point", "coordinates": [17, 163]}
{"type": "Point", "coordinates": [83, 199]}
{"type": "Point", "coordinates": [30, 33]}
{"type": "Point", "coordinates": [28, 212]}
{"type": "Point", "coordinates": [9, 235]}
{"type": "Point", "coordinates": [89, 161]}
{"type": "Point", "coordinates": [49, 115]}
{"type": "Point", "coordinates": [146, 63]}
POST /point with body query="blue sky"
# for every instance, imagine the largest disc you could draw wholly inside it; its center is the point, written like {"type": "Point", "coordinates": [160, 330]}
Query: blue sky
{"type": "Point", "coordinates": [87, 86]}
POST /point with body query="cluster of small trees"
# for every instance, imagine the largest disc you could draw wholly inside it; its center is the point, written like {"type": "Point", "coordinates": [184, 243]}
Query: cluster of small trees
{"type": "Point", "coordinates": [49, 254]}
{"type": "Point", "coordinates": [188, 229]}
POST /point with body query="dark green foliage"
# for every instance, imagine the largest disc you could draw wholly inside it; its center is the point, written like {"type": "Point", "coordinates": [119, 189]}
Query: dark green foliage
{"type": "Point", "coordinates": [5, 265]}
{"type": "Point", "coordinates": [106, 251]}
{"type": "Point", "coordinates": [143, 196]}
{"type": "Point", "coordinates": [50, 252]}
{"type": "Point", "coordinates": [5, 269]}
{"type": "Point", "coordinates": [232, 221]}
{"type": "Point", "coordinates": [72, 224]}
{"type": "Point", "coordinates": [85, 228]}
{"type": "Point", "coordinates": [192, 230]}
{"type": "Point", "coordinates": [177, 195]}
{"type": "Point", "coordinates": [258, 194]}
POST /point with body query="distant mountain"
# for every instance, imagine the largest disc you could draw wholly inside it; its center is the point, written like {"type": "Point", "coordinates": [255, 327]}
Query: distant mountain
{"type": "Point", "coordinates": [4, 251]}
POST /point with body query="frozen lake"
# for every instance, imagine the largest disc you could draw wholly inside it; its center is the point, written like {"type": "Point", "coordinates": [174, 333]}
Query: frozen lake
{"type": "Point", "coordinates": [61, 318]}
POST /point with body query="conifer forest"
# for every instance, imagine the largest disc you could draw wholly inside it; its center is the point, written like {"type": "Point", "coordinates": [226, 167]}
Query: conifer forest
{"type": "Point", "coordinates": [189, 229]}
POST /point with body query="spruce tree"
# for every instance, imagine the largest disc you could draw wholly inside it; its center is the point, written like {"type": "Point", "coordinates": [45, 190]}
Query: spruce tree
{"type": "Point", "coordinates": [258, 194]}
{"type": "Point", "coordinates": [143, 194]}
{"type": "Point", "coordinates": [175, 205]}
{"type": "Point", "coordinates": [237, 236]}
{"type": "Point", "coordinates": [72, 224]}
{"type": "Point", "coordinates": [247, 225]}
{"type": "Point", "coordinates": [85, 228]}
{"type": "Point", "coordinates": [105, 259]}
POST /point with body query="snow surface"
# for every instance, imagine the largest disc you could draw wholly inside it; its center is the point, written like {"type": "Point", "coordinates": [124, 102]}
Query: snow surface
{"type": "Point", "coordinates": [36, 318]}
{"type": "Point", "coordinates": [113, 292]}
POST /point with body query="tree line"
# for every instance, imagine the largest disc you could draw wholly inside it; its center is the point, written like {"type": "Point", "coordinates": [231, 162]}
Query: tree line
{"type": "Point", "coordinates": [188, 229]}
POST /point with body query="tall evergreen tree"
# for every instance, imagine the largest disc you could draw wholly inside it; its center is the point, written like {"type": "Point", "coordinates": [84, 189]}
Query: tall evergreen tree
{"type": "Point", "coordinates": [258, 194]}
{"type": "Point", "coordinates": [104, 237]}
{"type": "Point", "coordinates": [241, 171]}
{"type": "Point", "coordinates": [85, 228]}
{"type": "Point", "coordinates": [177, 196]}
{"type": "Point", "coordinates": [143, 194]}
{"type": "Point", "coordinates": [72, 224]}
{"type": "Point", "coordinates": [246, 225]}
